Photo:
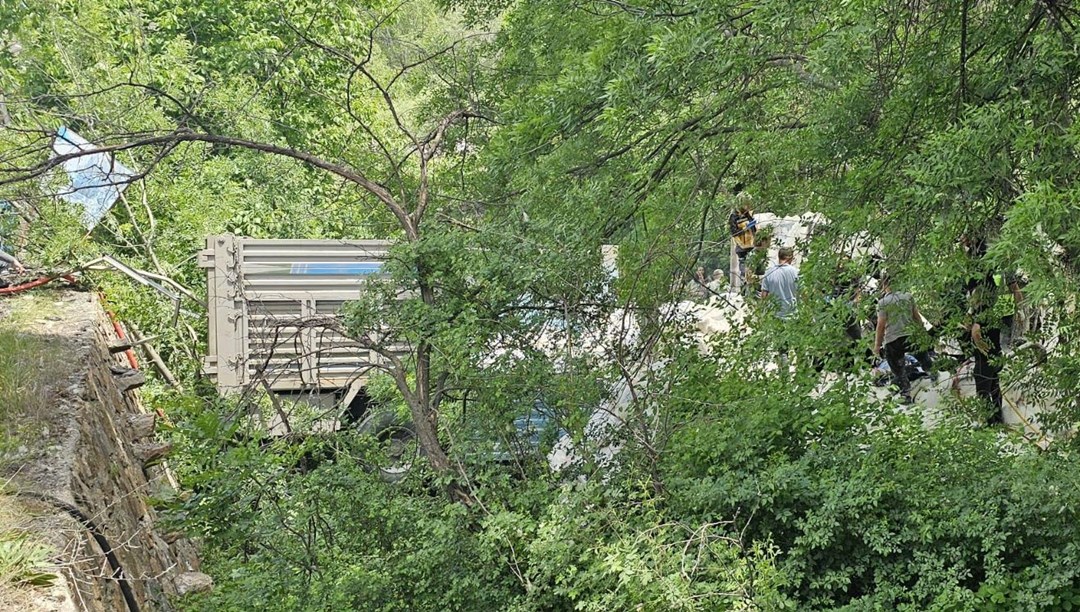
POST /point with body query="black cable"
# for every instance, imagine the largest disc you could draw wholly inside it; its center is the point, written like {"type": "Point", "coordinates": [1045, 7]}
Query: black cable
{"type": "Point", "coordinates": [103, 543]}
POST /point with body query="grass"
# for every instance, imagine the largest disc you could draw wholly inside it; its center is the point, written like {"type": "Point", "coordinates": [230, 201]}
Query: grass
{"type": "Point", "coordinates": [25, 563]}
{"type": "Point", "coordinates": [24, 360]}
{"type": "Point", "coordinates": [22, 393]}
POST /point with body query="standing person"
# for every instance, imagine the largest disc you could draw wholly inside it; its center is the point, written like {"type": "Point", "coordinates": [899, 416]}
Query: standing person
{"type": "Point", "coordinates": [757, 263]}
{"type": "Point", "coordinates": [847, 292]}
{"type": "Point", "coordinates": [993, 300]}
{"type": "Point", "coordinates": [743, 228]}
{"type": "Point", "coordinates": [781, 284]}
{"type": "Point", "coordinates": [844, 299]}
{"type": "Point", "coordinates": [897, 318]}
{"type": "Point", "coordinates": [7, 260]}
{"type": "Point", "coordinates": [990, 310]}
{"type": "Point", "coordinates": [780, 288]}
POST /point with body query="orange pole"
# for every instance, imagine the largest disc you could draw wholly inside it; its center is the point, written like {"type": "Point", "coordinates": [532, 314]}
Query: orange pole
{"type": "Point", "coordinates": [119, 331]}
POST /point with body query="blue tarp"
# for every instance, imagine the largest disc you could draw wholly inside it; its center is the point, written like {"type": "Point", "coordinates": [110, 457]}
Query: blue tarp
{"type": "Point", "coordinates": [96, 179]}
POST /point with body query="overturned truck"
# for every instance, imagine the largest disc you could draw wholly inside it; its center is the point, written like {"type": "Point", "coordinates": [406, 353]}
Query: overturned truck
{"type": "Point", "coordinates": [265, 298]}
{"type": "Point", "coordinates": [271, 305]}
{"type": "Point", "coordinates": [261, 295]}
{"type": "Point", "coordinates": [264, 294]}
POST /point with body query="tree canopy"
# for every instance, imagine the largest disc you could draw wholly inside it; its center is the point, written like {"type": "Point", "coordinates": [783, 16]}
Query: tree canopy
{"type": "Point", "coordinates": [501, 145]}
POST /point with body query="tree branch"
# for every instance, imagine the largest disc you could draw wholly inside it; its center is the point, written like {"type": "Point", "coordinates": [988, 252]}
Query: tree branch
{"type": "Point", "coordinates": [374, 188]}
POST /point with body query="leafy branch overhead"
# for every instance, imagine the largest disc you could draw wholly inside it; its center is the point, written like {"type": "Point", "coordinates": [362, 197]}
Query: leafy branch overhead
{"type": "Point", "coordinates": [504, 146]}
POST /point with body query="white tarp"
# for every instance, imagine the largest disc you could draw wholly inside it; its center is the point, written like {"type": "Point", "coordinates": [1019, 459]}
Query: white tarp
{"type": "Point", "coordinates": [96, 179]}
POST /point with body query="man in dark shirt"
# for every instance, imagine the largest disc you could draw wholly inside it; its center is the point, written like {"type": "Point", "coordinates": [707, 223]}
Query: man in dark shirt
{"type": "Point", "coordinates": [991, 308]}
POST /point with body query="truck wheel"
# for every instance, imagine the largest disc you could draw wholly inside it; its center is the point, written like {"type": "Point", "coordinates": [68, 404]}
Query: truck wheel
{"type": "Point", "coordinates": [399, 446]}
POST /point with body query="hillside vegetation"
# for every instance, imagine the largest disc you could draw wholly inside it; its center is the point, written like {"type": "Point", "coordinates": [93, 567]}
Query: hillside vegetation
{"type": "Point", "coordinates": [500, 145]}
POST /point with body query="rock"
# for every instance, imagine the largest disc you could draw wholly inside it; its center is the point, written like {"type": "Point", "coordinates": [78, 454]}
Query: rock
{"type": "Point", "coordinates": [120, 347]}
{"type": "Point", "coordinates": [152, 451]}
{"type": "Point", "coordinates": [127, 378]}
{"type": "Point", "coordinates": [193, 582]}
{"type": "Point", "coordinates": [131, 381]}
{"type": "Point", "coordinates": [142, 425]}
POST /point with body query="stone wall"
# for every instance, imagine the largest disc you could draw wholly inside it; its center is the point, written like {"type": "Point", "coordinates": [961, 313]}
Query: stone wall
{"type": "Point", "coordinates": [98, 461]}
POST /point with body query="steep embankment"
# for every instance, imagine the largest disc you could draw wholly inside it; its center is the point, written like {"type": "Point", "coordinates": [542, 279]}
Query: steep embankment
{"type": "Point", "coordinates": [83, 461]}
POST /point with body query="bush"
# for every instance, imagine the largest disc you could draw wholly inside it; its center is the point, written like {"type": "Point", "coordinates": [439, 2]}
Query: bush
{"type": "Point", "coordinates": [898, 517]}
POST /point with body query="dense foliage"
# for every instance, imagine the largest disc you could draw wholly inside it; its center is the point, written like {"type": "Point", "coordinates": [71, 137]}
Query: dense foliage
{"type": "Point", "coordinates": [502, 143]}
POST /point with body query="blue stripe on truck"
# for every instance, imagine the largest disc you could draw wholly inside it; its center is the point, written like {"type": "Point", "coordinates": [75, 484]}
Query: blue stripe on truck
{"type": "Point", "coordinates": [336, 269]}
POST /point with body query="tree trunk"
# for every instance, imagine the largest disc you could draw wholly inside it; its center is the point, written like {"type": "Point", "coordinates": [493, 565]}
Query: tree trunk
{"type": "Point", "coordinates": [425, 417]}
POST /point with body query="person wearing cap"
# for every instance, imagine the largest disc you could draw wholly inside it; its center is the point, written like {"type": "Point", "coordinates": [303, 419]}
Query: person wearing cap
{"type": "Point", "coordinates": [718, 282]}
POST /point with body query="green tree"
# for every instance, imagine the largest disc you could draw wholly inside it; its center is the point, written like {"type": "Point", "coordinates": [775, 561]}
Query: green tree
{"type": "Point", "coordinates": [345, 98]}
